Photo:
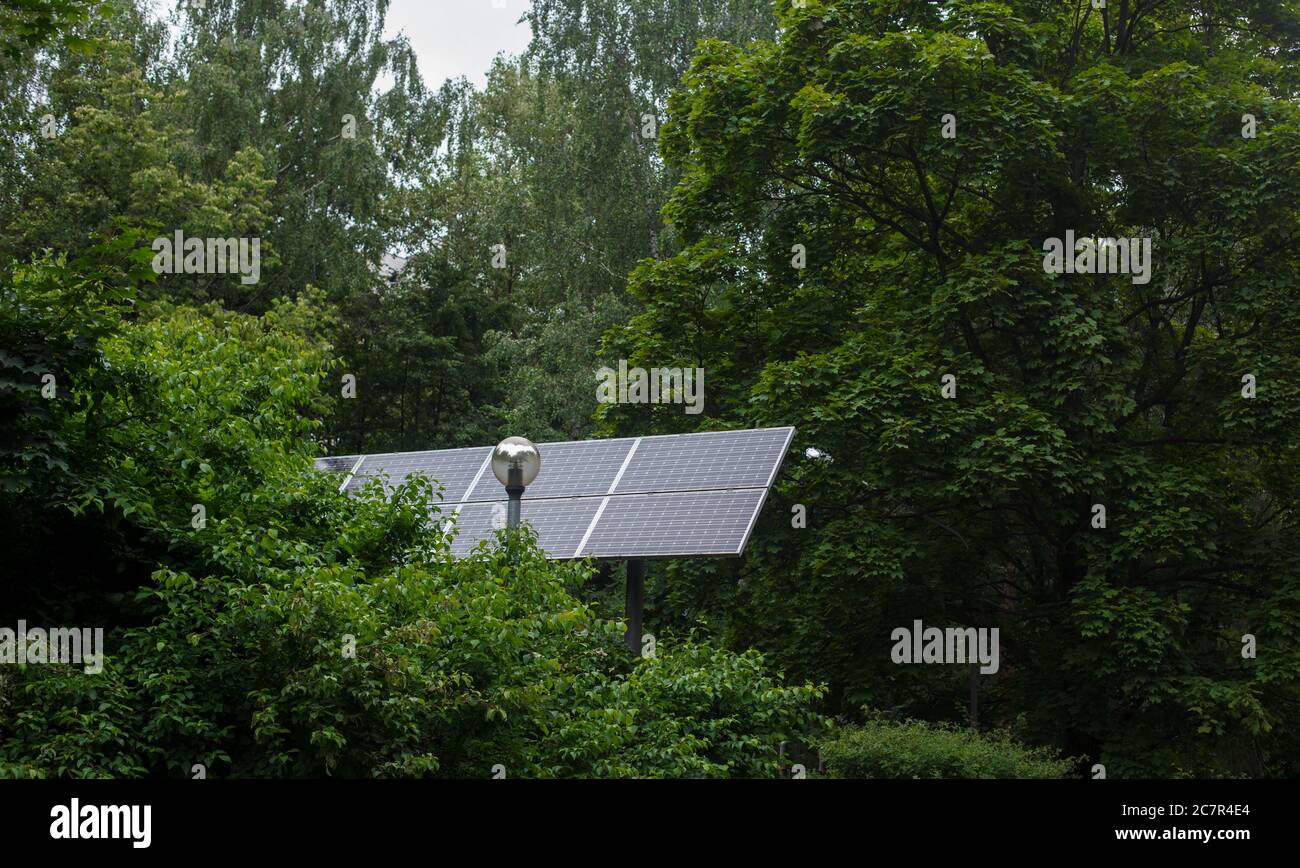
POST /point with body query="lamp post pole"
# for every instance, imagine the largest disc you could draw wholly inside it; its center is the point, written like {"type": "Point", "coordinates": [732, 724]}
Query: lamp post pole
{"type": "Point", "coordinates": [515, 491]}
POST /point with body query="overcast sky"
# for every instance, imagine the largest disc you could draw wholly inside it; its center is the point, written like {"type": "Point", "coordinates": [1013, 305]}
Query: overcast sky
{"type": "Point", "coordinates": [450, 37]}
{"type": "Point", "coordinates": [459, 37]}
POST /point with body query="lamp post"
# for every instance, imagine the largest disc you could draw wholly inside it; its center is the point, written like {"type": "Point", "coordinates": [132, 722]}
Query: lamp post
{"type": "Point", "coordinates": [515, 463]}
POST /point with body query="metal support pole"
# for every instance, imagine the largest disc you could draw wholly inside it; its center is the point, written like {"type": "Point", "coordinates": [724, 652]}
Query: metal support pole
{"type": "Point", "coordinates": [974, 696]}
{"type": "Point", "coordinates": [635, 605]}
{"type": "Point", "coordinates": [515, 491]}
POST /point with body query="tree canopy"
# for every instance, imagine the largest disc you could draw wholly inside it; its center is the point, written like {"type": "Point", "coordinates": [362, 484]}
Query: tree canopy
{"type": "Point", "coordinates": [859, 217]}
{"type": "Point", "coordinates": [1072, 394]}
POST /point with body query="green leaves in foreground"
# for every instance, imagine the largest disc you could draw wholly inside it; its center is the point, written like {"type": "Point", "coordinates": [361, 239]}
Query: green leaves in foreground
{"type": "Point", "coordinates": [303, 632]}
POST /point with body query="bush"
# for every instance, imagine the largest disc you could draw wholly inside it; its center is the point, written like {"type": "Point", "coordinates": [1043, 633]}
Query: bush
{"type": "Point", "coordinates": [914, 749]}
{"type": "Point", "coordinates": [301, 632]}
{"type": "Point", "coordinates": [430, 667]}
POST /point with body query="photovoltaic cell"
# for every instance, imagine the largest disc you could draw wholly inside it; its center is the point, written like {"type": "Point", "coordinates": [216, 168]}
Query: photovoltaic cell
{"type": "Point", "coordinates": [570, 469]}
{"type": "Point", "coordinates": [695, 462]}
{"type": "Point", "coordinates": [455, 469]}
{"type": "Point", "coordinates": [677, 524]}
{"type": "Point", "coordinates": [338, 463]}
{"type": "Point", "coordinates": [560, 524]}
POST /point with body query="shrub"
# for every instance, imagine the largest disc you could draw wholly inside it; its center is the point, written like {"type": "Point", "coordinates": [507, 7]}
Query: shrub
{"type": "Point", "coordinates": [301, 632]}
{"type": "Point", "coordinates": [915, 749]}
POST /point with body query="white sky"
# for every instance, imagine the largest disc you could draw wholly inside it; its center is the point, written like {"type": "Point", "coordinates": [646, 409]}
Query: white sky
{"type": "Point", "coordinates": [450, 37]}
{"type": "Point", "coordinates": [459, 37]}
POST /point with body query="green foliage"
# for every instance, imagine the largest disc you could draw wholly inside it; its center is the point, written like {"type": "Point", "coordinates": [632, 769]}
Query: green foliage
{"type": "Point", "coordinates": [925, 258]}
{"type": "Point", "coordinates": [915, 749]}
{"type": "Point", "coordinates": [821, 126]}
{"type": "Point", "coordinates": [423, 372]}
{"type": "Point", "coordinates": [54, 315]}
{"type": "Point", "coordinates": [243, 658]}
{"type": "Point", "coordinates": [28, 24]}
{"type": "Point", "coordinates": [121, 159]}
{"type": "Point", "coordinates": [552, 359]}
{"type": "Point", "coordinates": [460, 666]}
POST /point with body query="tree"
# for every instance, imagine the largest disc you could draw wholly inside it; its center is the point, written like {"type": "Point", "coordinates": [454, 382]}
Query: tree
{"type": "Point", "coordinates": [299, 82]}
{"type": "Point", "coordinates": [420, 360]}
{"type": "Point", "coordinates": [552, 174]}
{"type": "Point", "coordinates": [1123, 639]}
{"type": "Point", "coordinates": [116, 164]}
{"type": "Point", "coordinates": [29, 24]}
{"type": "Point", "coordinates": [54, 316]}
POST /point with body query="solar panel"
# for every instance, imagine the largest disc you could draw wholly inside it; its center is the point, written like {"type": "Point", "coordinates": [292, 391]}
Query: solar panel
{"type": "Point", "coordinates": [341, 463]}
{"type": "Point", "coordinates": [678, 524]}
{"type": "Point", "coordinates": [560, 524]}
{"type": "Point", "coordinates": [455, 469]}
{"type": "Point", "coordinates": [695, 462]}
{"type": "Point", "coordinates": [571, 469]}
{"type": "Point", "coordinates": [679, 495]}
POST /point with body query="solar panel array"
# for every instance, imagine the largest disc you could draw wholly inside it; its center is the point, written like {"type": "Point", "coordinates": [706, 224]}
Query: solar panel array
{"type": "Point", "coordinates": [675, 495]}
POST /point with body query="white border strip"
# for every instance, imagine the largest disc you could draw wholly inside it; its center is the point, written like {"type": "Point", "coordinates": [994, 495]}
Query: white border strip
{"type": "Point", "coordinates": [767, 489]}
{"type": "Point", "coordinates": [351, 473]}
{"type": "Point", "coordinates": [753, 521]}
{"type": "Point", "coordinates": [577, 553]}
{"type": "Point", "coordinates": [627, 459]}
{"type": "Point", "coordinates": [465, 497]}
